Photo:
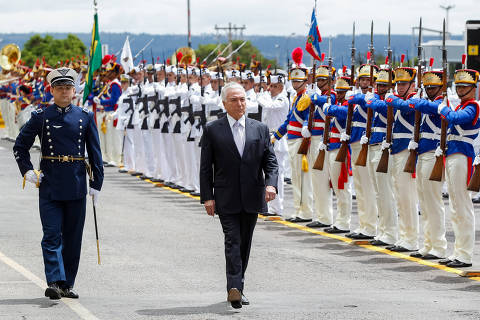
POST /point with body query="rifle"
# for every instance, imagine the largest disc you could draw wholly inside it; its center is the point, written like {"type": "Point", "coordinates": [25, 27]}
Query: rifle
{"type": "Point", "coordinates": [311, 113]}
{"type": "Point", "coordinates": [437, 171]}
{"type": "Point", "coordinates": [412, 157]}
{"type": "Point", "coordinates": [383, 163]}
{"type": "Point", "coordinates": [155, 79]}
{"type": "Point", "coordinates": [362, 156]}
{"type": "Point", "coordinates": [326, 130]}
{"type": "Point", "coordinates": [342, 152]}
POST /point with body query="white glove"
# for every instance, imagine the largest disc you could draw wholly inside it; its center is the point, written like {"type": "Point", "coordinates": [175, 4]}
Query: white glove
{"type": "Point", "coordinates": [322, 146]}
{"type": "Point", "coordinates": [385, 145]}
{"type": "Point", "coordinates": [96, 100]}
{"type": "Point", "coordinates": [305, 132]}
{"type": "Point", "coordinates": [95, 194]}
{"type": "Point", "coordinates": [476, 162]}
{"type": "Point", "coordinates": [441, 106]}
{"type": "Point", "coordinates": [439, 152]}
{"type": "Point", "coordinates": [412, 145]}
{"type": "Point", "coordinates": [31, 176]}
{"type": "Point", "coordinates": [349, 95]}
{"type": "Point", "coordinates": [364, 139]}
{"type": "Point", "coordinates": [369, 96]}
{"type": "Point", "coordinates": [344, 136]}
{"type": "Point", "coordinates": [326, 106]}
{"type": "Point", "coordinates": [389, 95]}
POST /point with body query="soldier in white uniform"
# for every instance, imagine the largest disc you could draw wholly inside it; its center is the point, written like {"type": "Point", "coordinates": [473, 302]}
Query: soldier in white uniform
{"type": "Point", "coordinates": [275, 110]}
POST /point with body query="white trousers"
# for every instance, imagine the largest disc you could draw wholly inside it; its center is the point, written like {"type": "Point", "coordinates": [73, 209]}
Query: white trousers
{"type": "Point", "coordinates": [281, 152]}
{"type": "Point", "coordinates": [129, 151]}
{"type": "Point", "coordinates": [102, 136]}
{"type": "Point", "coordinates": [344, 196]}
{"type": "Point", "coordinates": [301, 182]}
{"type": "Point", "coordinates": [139, 150]}
{"type": "Point", "coordinates": [322, 194]}
{"type": "Point", "coordinates": [113, 141]}
{"type": "Point", "coordinates": [158, 152]}
{"type": "Point", "coordinates": [365, 196]}
{"type": "Point", "coordinates": [404, 187]}
{"type": "Point", "coordinates": [461, 207]}
{"type": "Point", "coordinates": [432, 208]}
{"type": "Point", "coordinates": [383, 190]}
{"type": "Point", "coordinates": [149, 159]}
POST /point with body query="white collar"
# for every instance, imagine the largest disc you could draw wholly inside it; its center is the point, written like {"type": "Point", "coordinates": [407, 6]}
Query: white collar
{"type": "Point", "coordinates": [232, 121]}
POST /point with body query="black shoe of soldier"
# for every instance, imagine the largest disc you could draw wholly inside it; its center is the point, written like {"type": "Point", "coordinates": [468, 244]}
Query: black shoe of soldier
{"type": "Point", "coordinates": [69, 293]}
{"type": "Point", "coordinates": [53, 291]}
{"type": "Point", "coordinates": [458, 264]}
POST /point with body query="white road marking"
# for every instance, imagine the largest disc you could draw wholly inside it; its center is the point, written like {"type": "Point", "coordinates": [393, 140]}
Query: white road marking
{"type": "Point", "coordinates": [76, 307]}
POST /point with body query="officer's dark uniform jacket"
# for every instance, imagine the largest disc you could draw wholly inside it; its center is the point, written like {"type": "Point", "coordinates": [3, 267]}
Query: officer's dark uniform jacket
{"type": "Point", "coordinates": [63, 132]}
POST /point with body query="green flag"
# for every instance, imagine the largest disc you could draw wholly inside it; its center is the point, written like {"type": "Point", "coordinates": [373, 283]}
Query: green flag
{"type": "Point", "coordinates": [95, 60]}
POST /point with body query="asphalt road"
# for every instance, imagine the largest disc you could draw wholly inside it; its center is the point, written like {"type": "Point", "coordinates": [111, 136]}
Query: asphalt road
{"type": "Point", "coordinates": [162, 258]}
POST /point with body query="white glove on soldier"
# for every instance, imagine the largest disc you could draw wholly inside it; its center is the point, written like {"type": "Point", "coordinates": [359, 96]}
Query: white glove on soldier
{"type": "Point", "coordinates": [31, 176]}
{"type": "Point", "coordinates": [95, 194]}
{"type": "Point", "coordinates": [96, 100]}
{"type": "Point", "coordinates": [305, 132]}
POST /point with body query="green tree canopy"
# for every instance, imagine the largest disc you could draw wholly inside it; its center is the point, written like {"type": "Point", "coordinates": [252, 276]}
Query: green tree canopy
{"type": "Point", "coordinates": [53, 50]}
{"type": "Point", "coordinates": [245, 53]}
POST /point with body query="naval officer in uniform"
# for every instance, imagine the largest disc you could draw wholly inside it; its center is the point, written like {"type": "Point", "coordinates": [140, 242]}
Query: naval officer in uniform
{"type": "Point", "coordinates": [67, 134]}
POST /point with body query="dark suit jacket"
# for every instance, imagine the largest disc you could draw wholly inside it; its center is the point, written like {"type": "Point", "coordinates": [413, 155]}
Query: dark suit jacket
{"type": "Point", "coordinates": [237, 184]}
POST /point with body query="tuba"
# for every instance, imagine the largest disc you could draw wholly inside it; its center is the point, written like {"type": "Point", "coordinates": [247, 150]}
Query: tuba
{"type": "Point", "coordinates": [9, 56]}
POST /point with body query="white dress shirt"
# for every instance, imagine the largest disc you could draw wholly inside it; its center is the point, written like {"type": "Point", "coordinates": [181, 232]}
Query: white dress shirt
{"type": "Point", "coordinates": [238, 131]}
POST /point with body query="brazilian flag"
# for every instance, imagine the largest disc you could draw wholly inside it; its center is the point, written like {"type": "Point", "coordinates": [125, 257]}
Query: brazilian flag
{"type": "Point", "coordinates": [95, 58]}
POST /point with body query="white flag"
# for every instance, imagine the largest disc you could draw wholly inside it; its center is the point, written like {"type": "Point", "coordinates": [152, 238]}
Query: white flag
{"type": "Point", "coordinates": [126, 57]}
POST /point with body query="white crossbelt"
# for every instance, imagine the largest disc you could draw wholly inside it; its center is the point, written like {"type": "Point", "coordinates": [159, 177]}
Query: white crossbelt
{"type": "Point", "coordinates": [359, 124]}
{"type": "Point", "coordinates": [402, 135]}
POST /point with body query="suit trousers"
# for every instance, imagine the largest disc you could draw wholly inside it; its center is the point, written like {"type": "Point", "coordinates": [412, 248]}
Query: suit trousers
{"type": "Point", "coordinates": [238, 230]}
{"type": "Point", "coordinates": [461, 207]}
{"type": "Point", "coordinates": [431, 206]}
{"type": "Point", "coordinates": [382, 186]}
{"type": "Point", "coordinates": [62, 224]}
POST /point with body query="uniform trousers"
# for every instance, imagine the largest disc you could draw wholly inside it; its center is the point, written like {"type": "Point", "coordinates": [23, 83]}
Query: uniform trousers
{"type": "Point", "coordinates": [301, 182]}
{"type": "Point", "coordinates": [366, 201]}
{"type": "Point", "coordinates": [62, 224]}
{"type": "Point", "coordinates": [129, 150]}
{"type": "Point", "coordinates": [432, 207]}
{"type": "Point", "coordinates": [461, 207]}
{"type": "Point", "coordinates": [344, 196]}
{"type": "Point", "coordinates": [404, 187]}
{"type": "Point", "coordinates": [383, 190]}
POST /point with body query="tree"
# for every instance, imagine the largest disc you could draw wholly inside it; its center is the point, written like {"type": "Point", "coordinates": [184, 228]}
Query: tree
{"type": "Point", "coordinates": [245, 53]}
{"type": "Point", "coordinates": [53, 50]}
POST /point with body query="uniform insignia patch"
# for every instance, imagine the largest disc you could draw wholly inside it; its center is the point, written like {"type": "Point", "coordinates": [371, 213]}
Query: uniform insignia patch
{"type": "Point", "coordinates": [56, 127]}
{"type": "Point", "coordinates": [63, 72]}
{"type": "Point", "coordinates": [85, 109]}
{"type": "Point", "coordinates": [39, 110]}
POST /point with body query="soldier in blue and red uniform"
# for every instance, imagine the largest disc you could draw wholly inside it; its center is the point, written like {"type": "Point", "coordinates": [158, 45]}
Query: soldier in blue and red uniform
{"type": "Point", "coordinates": [66, 133]}
{"type": "Point", "coordinates": [463, 127]}
{"type": "Point", "coordinates": [429, 192]}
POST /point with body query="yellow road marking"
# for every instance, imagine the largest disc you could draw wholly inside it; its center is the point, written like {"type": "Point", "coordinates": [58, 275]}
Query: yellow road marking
{"type": "Point", "coordinates": [74, 305]}
{"type": "Point", "coordinates": [348, 240]}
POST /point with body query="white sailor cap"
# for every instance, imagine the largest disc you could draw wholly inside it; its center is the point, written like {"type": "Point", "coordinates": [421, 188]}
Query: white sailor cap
{"type": "Point", "coordinates": [193, 71]}
{"type": "Point", "coordinates": [136, 69]}
{"type": "Point", "coordinates": [279, 78]}
{"type": "Point", "coordinates": [260, 79]}
{"type": "Point", "coordinates": [171, 69]}
{"type": "Point", "coordinates": [233, 74]}
{"type": "Point", "coordinates": [62, 76]}
{"type": "Point", "coordinates": [158, 67]}
{"type": "Point", "coordinates": [181, 71]}
{"type": "Point", "coordinates": [247, 75]}
{"type": "Point", "coordinates": [206, 72]}
{"type": "Point", "coordinates": [216, 75]}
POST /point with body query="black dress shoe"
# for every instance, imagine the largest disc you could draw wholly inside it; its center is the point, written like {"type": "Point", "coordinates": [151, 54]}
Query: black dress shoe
{"type": "Point", "coordinates": [298, 219]}
{"type": "Point", "coordinates": [444, 262]}
{"type": "Point", "coordinates": [122, 170]}
{"type": "Point", "coordinates": [185, 190]}
{"type": "Point", "coordinates": [417, 255]}
{"type": "Point", "coordinates": [157, 180]}
{"type": "Point", "coordinates": [335, 230]}
{"type": "Point", "coordinates": [429, 256]}
{"type": "Point", "coordinates": [144, 177]}
{"type": "Point", "coordinates": [351, 234]}
{"type": "Point", "coordinates": [398, 249]}
{"type": "Point", "coordinates": [245, 301]}
{"type": "Point", "coordinates": [269, 214]}
{"type": "Point", "coordinates": [235, 298]}
{"type": "Point", "coordinates": [359, 236]}
{"type": "Point", "coordinates": [458, 264]}
{"type": "Point", "coordinates": [176, 186]}
{"type": "Point", "coordinates": [290, 219]}
{"type": "Point", "coordinates": [378, 243]}
{"type": "Point", "coordinates": [69, 293]}
{"type": "Point", "coordinates": [53, 291]}
{"type": "Point", "coordinates": [195, 194]}
{"type": "Point", "coordinates": [136, 174]}
{"type": "Point", "coordinates": [317, 224]}
{"type": "Point", "coordinates": [476, 200]}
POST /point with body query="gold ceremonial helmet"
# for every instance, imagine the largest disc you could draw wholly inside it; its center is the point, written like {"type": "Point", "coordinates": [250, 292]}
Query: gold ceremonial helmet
{"type": "Point", "coordinates": [432, 78]}
{"type": "Point", "coordinates": [322, 72]}
{"type": "Point", "coordinates": [405, 74]}
{"type": "Point", "coordinates": [342, 84]}
{"type": "Point", "coordinates": [298, 74]}
{"type": "Point", "coordinates": [466, 77]}
{"type": "Point", "coordinates": [382, 76]}
{"type": "Point", "coordinates": [364, 71]}
{"type": "Point", "coordinates": [188, 56]}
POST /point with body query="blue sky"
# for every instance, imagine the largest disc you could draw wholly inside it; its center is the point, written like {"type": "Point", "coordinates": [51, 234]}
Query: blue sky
{"type": "Point", "coordinates": [275, 17]}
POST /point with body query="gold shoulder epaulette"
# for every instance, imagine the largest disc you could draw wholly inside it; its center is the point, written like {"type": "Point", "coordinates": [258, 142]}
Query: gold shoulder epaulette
{"type": "Point", "coordinates": [304, 102]}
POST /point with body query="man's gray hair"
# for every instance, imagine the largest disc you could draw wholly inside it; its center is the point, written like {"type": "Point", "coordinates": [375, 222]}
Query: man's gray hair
{"type": "Point", "coordinates": [230, 86]}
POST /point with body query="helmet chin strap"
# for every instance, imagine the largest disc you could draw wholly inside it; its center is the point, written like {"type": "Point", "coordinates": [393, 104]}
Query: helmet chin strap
{"type": "Point", "coordinates": [434, 95]}
{"type": "Point", "coordinates": [468, 92]}
{"type": "Point", "coordinates": [406, 92]}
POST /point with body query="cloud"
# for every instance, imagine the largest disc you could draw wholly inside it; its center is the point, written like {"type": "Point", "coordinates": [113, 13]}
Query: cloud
{"type": "Point", "coordinates": [269, 17]}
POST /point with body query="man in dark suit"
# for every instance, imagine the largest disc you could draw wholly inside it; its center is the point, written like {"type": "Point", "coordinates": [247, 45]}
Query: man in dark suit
{"type": "Point", "coordinates": [67, 132]}
{"type": "Point", "coordinates": [238, 175]}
